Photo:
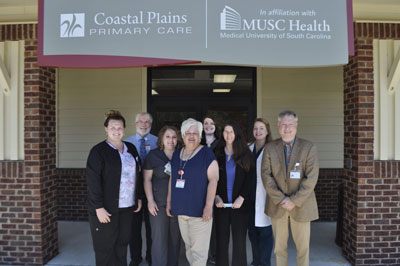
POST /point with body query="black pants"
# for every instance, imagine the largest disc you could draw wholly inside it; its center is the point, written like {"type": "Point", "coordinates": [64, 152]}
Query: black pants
{"type": "Point", "coordinates": [110, 240]}
{"type": "Point", "coordinates": [237, 220]}
{"type": "Point", "coordinates": [135, 245]}
{"type": "Point", "coordinates": [262, 241]}
{"type": "Point", "coordinates": [212, 252]}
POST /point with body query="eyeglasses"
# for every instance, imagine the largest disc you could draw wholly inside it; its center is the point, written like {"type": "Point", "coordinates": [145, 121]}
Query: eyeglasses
{"type": "Point", "coordinates": [287, 125]}
{"type": "Point", "coordinates": [188, 134]}
{"type": "Point", "coordinates": [143, 122]}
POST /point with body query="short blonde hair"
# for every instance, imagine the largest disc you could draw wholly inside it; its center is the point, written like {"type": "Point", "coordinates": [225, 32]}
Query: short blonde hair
{"type": "Point", "coordinates": [189, 123]}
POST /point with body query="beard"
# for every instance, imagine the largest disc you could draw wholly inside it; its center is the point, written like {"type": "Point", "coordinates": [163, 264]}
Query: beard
{"type": "Point", "coordinates": [143, 132]}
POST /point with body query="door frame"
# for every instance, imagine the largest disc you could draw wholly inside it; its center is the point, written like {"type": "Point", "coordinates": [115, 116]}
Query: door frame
{"type": "Point", "coordinates": [201, 108]}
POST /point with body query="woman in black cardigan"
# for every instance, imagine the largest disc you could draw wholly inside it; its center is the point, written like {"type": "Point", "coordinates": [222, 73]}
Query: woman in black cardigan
{"type": "Point", "coordinates": [232, 204]}
{"type": "Point", "coordinates": [115, 191]}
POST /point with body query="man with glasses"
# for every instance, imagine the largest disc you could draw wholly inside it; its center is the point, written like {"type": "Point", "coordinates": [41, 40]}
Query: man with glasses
{"type": "Point", "coordinates": [144, 142]}
{"type": "Point", "coordinates": [290, 172]}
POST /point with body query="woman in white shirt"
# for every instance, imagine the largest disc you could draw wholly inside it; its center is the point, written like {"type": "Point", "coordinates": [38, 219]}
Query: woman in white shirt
{"type": "Point", "coordinates": [259, 228]}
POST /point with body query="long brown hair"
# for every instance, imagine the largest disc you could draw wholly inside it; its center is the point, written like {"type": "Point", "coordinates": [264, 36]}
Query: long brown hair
{"type": "Point", "coordinates": [241, 152]}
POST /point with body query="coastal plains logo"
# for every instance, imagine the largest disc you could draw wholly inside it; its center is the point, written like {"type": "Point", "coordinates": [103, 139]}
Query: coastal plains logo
{"type": "Point", "coordinates": [72, 25]}
{"type": "Point", "coordinates": [230, 19]}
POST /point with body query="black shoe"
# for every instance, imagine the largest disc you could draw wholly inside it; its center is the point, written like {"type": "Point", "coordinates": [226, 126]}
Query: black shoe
{"type": "Point", "coordinates": [135, 263]}
{"type": "Point", "coordinates": [148, 259]}
{"type": "Point", "coordinates": [211, 260]}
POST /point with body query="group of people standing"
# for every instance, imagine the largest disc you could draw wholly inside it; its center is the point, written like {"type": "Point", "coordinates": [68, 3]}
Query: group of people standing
{"type": "Point", "coordinates": [202, 187]}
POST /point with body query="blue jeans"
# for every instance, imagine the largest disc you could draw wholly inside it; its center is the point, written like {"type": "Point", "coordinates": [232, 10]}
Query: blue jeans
{"type": "Point", "coordinates": [262, 242]}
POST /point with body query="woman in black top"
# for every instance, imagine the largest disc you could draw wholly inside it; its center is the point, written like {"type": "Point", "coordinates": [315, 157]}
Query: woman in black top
{"type": "Point", "coordinates": [210, 134]}
{"type": "Point", "coordinates": [156, 171]}
{"type": "Point", "coordinates": [235, 163]}
{"type": "Point", "coordinates": [115, 191]}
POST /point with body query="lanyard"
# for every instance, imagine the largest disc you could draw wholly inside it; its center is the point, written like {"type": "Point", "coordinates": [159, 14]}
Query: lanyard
{"type": "Point", "coordinates": [181, 172]}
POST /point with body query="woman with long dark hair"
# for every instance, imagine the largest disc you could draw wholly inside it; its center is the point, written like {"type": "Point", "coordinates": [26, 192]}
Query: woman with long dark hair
{"type": "Point", "coordinates": [232, 204]}
{"type": "Point", "coordinates": [210, 134]}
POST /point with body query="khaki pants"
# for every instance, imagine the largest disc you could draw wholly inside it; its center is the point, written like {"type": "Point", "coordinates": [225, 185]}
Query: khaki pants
{"type": "Point", "coordinates": [196, 235]}
{"type": "Point", "coordinates": [301, 237]}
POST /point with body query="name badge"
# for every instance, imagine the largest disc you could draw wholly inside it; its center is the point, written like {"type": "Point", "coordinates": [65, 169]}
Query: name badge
{"type": "Point", "coordinates": [167, 168]}
{"type": "Point", "coordinates": [148, 147]}
{"type": "Point", "coordinates": [180, 183]}
{"type": "Point", "coordinates": [295, 174]}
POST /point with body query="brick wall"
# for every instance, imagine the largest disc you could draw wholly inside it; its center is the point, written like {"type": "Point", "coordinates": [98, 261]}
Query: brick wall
{"type": "Point", "coordinates": [72, 191]}
{"type": "Point", "coordinates": [15, 225]}
{"type": "Point", "coordinates": [28, 220]}
{"type": "Point", "coordinates": [326, 192]}
{"type": "Point", "coordinates": [71, 194]}
{"type": "Point", "coordinates": [382, 214]}
{"type": "Point", "coordinates": [371, 227]}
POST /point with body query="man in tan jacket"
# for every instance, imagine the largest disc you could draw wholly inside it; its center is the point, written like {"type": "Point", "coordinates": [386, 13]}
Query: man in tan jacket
{"type": "Point", "coordinates": [290, 172]}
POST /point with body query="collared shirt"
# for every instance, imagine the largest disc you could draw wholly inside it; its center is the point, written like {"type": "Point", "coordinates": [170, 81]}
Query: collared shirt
{"type": "Point", "coordinates": [128, 178]}
{"type": "Point", "coordinates": [149, 140]}
{"type": "Point", "coordinates": [288, 150]}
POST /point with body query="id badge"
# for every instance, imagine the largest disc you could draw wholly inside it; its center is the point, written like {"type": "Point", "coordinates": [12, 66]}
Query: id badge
{"type": "Point", "coordinates": [167, 168]}
{"type": "Point", "coordinates": [295, 174]}
{"type": "Point", "coordinates": [148, 147]}
{"type": "Point", "coordinates": [180, 183]}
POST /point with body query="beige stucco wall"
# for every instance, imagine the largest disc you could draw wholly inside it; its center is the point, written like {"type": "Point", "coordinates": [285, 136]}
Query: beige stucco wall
{"type": "Point", "coordinates": [83, 96]}
{"type": "Point", "coordinates": [316, 95]}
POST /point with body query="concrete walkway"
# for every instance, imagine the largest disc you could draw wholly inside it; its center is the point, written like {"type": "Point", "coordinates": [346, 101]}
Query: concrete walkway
{"type": "Point", "coordinates": [75, 246]}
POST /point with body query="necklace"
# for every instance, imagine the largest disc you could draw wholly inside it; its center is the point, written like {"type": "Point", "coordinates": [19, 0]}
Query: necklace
{"type": "Point", "coordinates": [229, 154]}
{"type": "Point", "coordinates": [210, 140]}
{"type": "Point", "coordinates": [117, 146]}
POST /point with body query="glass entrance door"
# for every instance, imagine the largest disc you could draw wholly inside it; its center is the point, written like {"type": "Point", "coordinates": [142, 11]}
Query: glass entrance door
{"type": "Point", "coordinates": [178, 93]}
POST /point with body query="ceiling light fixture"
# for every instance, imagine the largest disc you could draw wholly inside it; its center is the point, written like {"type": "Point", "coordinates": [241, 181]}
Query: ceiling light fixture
{"type": "Point", "coordinates": [221, 90]}
{"type": "Point", "coordinates": [219, 78]}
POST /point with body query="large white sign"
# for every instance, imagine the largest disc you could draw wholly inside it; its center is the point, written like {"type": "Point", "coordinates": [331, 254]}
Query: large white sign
{"type": "Point", "coordinates": [252, 32]}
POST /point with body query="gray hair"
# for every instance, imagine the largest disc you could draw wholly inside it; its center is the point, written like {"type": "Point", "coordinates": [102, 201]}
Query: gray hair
{"type": "Point", "coordinates": [287, 113]}
{"type": "Point", "coordinates": [146, 114]}
{"type": "Point", "coordinates": [191, 122]}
